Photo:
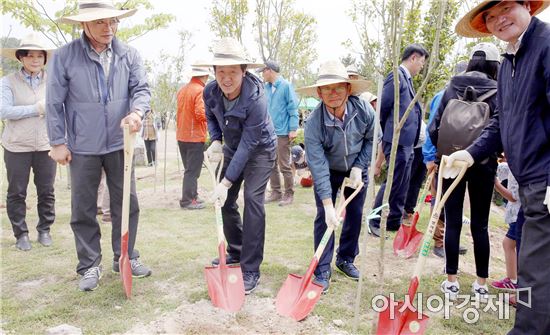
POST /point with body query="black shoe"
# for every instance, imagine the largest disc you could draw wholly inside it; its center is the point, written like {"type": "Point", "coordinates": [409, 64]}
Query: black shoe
{"type": "Point", "coordinates": [348, 269]}
{"type": "Point", "coordinates": [229, 259]}
{"type": "Point", "coordinates": [323, 279]}
{"type": "Point", "coordinates": [23, 243]}
{"type": "Point", "coordinates": [251, 280]}
{"type": "Point", "coordinates": [374, 231]}
{"type": "Point", "coordinates": [45, 239]}
{"type": "Point", "coordinates": [439, 252]}
{"type": "Point", "coordinates": [462, 250]}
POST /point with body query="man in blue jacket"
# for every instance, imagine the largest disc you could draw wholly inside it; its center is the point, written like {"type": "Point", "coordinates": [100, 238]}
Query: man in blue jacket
{"type": "Point", "coordinates": [412, 62]}
{"type": "Point", "coordinates": [95, 85]}
{"type": "Point", "coordinates": [236, 112]}
{"type": "Point", "coordinates": [522, 129]}
{"type": "Point", "coordinates": [283, 109]}
{"type": "Point", "coordinates": [338, 140]}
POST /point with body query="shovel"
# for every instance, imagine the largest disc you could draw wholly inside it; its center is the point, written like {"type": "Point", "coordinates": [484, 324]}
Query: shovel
{"type": "Point", "coordinates": [298, 295]}
{"type": "Point", "coordinates": [225, 282]}
{"type": "Point", "coordinates": [124, 260]}
{"type": "Point", "coordinates": [408, 238]}
{"type": "Point", "coordinates": [408, 320]}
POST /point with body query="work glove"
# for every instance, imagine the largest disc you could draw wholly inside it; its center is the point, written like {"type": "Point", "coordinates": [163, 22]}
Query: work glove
{"type": "Point", "coordinates": [41, 107]}
{"type": "Point", "coordinates": [356, 177]}
{"type": "Point", "coordinates": [547, 198]}
{"type": "Point", "coordinates": [220, 191]}
{"type": "Point", "coordinates": [215, 152]}
{"type": "Point", "coordinates": [330, 217]}
{"type": "Point", "coordinates": [451, 171]}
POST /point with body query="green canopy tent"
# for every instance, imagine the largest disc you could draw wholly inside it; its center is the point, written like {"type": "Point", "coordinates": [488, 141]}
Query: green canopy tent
{"type": "Point", "coordinates": [308, 103]}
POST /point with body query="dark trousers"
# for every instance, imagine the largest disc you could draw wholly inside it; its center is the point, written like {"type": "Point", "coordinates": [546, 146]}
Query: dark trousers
{"type": "Point", "coordinates": [151, 148]}
{"type": "Point", "coordinates": [85, 178]}
{"type": "Point", "coordinates": [418, 173]}
{"type": "Point", "coordinates": [348, 246]}
{"type": "Point", "coordinates": [192, 155]}
{"type": "Point", "coordinates": [400, 186]}
{"type": "Point", "coordinates": [18, 167]}
{"type": "Point", "coordinates": [534, 260]}
{"type": "Point", "coordinates": [519, 227]}
{"type": "Point", "coordinates": [245, 238]}
{"type": "Point", "coordinates": [480, 180]}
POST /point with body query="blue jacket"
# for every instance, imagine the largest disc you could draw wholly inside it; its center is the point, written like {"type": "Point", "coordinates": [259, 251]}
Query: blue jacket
{"type": "Point", "coordinates": [283, 106]}
{"type": "Point", "coordinates": [246, 129]}
{"type": "Point", "coordinates": [329, 147]}
{"type": "Point", "coordinates": [411, 130]}
{"type": "Point", "coordinates": [522, 126]}
{"type": "Point", "coordinates": [81, 110]}
{"type": "Point", "coordinates": [429, 150]}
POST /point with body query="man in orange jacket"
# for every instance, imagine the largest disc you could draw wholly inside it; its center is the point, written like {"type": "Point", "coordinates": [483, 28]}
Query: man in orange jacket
{"type": "Point", "coordinates": [191, 135]}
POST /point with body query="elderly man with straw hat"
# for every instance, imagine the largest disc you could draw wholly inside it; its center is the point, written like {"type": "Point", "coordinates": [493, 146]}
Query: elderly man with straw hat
{"type": "Point", "coordinates": [25, 140]}
{"type": "Point", "coordinates": [95, 85]}
{"type": "Point", "coordinates": [338, 140]}
{"type": "Point", "coordinates": [191, 135]}
{"type": "Point", "coordinates": [236, 111]}
{"type": "Point", "coordinates": [522, 129]}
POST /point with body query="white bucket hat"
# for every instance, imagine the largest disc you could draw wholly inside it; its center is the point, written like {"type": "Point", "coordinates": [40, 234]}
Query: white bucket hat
{"type": "Point", "coordinates": [228, 51]}
{"type": "Point", "coordinates": [197, 71]}
{"type": "Point", "coordinates": [353, 71]}
{"type": "Point", "coordinates": [91, 10]}
{"type": "Point", "coordinates": [334, 72]}
{"type": "Point", "coordinates": [30, 42]}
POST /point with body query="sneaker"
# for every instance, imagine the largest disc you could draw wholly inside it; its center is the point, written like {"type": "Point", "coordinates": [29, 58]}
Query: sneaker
{"type": "Point", "coordinates": [439, 252]}
{"type": "Point", "coordinates": [465, 220]}
{"type": "Point", "coordinates": [106, 218]}
{"type": "Point", "coordinates": [193, 205]}
{"type": "Point", "coordinates": [323, 279]}
{"type": "Point", "coordinates": [199, 200]}
{"type": "Point", "coordinates": [45, 239]}
{"type": "Point", "coordinates": [251, 279]}
{"type": "Point", "coordinates": [273, 197]}
{"type": "Point", "coordinates": [286, 200]}
{"type": "Point", "coordinates": [462, 250]}
{"type": "Point", "coordinates": [374, 231]}
{"type": "Point", "coordinates": [348, 269]}
{"type": "Point", "coordinates": [90, 279]}
{"type": "Point", "coordinates": [139, 270]}
{"type": "Point", "coordinates": [481, 292]}
{"type": "Point", "coordinates": [451, 289]}
{"type": "Point", "coordinates": [229, 260]}
{"type": "Point", "coordinates": [505, 284]}
{"type": "Point", "coordinates": [23, 243]}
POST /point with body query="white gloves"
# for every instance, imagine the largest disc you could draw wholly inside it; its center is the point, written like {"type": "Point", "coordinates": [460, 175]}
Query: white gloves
{"type": "Point", "coordinates": [215, 152]}
{"type": "Point", "coordinates": [547, 198]}
{"type": "Point", "coordinates": [220, 191]}
{"type": "Point", "coordinates": [330, 216]}
{"type": "Point", "coordinates": [451, 171]}
{"type": "Point", "coordinates": [41, 107]}
{"type": "Point", "coordinates": [356, 177]}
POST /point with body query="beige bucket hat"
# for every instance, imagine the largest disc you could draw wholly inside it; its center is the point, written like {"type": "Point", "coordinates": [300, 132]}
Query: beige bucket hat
{"type": "Point", "coordinates": [228, 51]}
{"type": "Point", "coordinates": [197, 71]}
{"type": "Point", "coordinates": [91, 10]}
{"type": "Point", "coordinates": [473, 23]}
{"type": "Point", "coordinates": [30, 42]}
{"type": "Point", "coordinates": [334, 72]}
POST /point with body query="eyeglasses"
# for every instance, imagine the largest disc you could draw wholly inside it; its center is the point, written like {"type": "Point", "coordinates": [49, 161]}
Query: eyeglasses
{"type": "Point", "coordinates": [110, 22]}
{"type": "Point", "coordinates": [329, 88]}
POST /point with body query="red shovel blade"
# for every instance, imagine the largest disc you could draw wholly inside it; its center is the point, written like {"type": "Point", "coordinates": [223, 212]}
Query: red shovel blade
{"type": "Point", "coordinates": [125, 268]}
{"type": "Point", "coordinates": [225, 286]}
{"type": "Point", "coordinates": [407, 239]}
{"type": "Point", "coordinates": [296, 301]}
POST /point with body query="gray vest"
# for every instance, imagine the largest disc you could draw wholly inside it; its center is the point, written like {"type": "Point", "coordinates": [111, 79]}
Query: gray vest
{"type": "Point", "coordinates": [28, 134]}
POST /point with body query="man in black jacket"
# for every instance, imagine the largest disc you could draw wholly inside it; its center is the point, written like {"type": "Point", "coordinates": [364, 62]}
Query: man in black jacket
{"type": "Point", "coordinates": [522, 129]}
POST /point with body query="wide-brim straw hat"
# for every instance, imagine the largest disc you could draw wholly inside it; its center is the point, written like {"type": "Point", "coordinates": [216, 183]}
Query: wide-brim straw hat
{"type": "Point", "coordinates": [228, 51]}
{"type": "Point", "coordinates": [30, 42]}
{"type": "Point", "coordinates": [199, 71]}
{"type": "Point", "coordinates": [353, 71]}
{"type": "Point", "coordinates": [473, 23]}
{"type": "Point", "coordinates": [334, 72]}
{"type": "Point", "coordinates": [91, 10]}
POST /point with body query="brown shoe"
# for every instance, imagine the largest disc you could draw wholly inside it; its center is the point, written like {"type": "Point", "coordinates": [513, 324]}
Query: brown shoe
{"type": "Point", "coordinates": [273, 197]}
{"type": "Point", "coordinates": [287, 200]}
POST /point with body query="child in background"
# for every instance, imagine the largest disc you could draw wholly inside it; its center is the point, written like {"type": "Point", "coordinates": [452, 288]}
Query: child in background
{"type": "Point", "coordinates": [513, 207]}
{"type": "Point", "coordinates": [299, 165]}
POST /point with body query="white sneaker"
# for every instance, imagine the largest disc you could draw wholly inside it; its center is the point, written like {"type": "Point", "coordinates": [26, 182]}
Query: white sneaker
{"type": "Point", "coordinates": [481, 292]}
{"type": "Point", "coordinates": [451, 289]}
{"type": "Point", "coordinates": [465, 220]}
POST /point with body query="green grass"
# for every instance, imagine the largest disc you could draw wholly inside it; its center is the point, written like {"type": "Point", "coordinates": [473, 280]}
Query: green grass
{"type": "Point", "coordinates": [39, 287]}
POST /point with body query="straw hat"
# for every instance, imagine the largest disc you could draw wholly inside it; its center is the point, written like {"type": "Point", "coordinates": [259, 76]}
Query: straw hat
{"type": "Point", "coordinates": [334, 72]}
{"type": "Point", "coordinates": [228, 51]}
{"type": "Point", "coordinates": [473, 23]}
{"type": "Point", "coordinates": [30, 42]}
{"type": "Point", "coordinates": [368, 96]}
{"type": "Point", "coordinates": [197, 71]}
{"type": "Point", "coordinates": [91, 10]}
{"type": "Point", "coordinates": [353, 71]}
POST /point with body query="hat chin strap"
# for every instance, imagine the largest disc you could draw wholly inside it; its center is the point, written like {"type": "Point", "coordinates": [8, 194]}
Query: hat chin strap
{"type": "Point", "coordinates": [333, 109]}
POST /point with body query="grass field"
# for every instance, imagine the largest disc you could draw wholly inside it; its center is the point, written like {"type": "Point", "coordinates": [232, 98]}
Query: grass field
{"type": "Point", "coordinates": [39, 287]}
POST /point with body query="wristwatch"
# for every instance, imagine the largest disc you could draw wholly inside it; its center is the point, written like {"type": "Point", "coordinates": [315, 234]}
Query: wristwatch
{"type": "Point", "coordinates": [138, 112]}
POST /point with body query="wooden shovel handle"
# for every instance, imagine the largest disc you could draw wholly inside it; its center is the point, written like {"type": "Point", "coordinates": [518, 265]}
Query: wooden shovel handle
{"type": "Point", "coordinates": [129, 139]}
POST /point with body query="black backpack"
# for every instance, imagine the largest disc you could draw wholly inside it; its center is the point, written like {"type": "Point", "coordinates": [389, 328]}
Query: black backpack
{"type": "Point", "coordinates": [462, 121]}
